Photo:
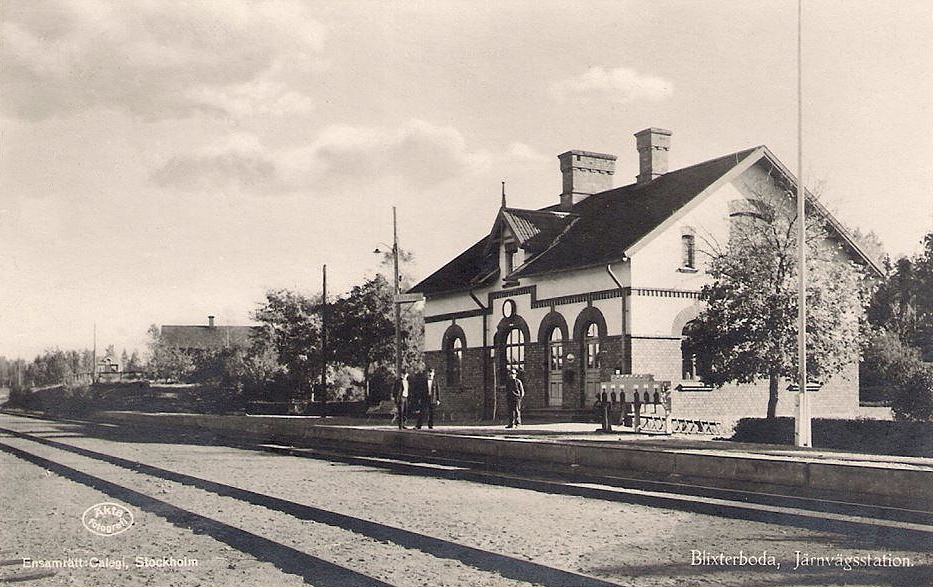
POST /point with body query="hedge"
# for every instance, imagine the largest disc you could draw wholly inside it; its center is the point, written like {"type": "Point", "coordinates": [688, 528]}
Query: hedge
{"type": "Point", "coordinates": [904, 438]}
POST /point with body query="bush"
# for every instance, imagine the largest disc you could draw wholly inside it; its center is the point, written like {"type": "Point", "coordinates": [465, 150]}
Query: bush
{"type": "Point", "coordinates": [895, 373]}
{"type": "Point", "coordinates": [913, 398]}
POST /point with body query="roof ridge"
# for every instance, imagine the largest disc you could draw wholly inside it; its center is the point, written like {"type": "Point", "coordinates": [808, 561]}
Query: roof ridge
{"type": "Point", "coordinates": [708, 161]}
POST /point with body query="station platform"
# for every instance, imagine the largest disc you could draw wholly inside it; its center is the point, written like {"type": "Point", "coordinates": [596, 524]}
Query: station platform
{"type": "Point", "coordinates": [895, 481]}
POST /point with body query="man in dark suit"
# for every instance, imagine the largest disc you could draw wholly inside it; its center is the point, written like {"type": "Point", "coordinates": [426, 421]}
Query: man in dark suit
{"type": "Point", "coordinates": [514, 392]}
{"type": "Point", "coordinates": [400, 394]}
{"type": "Point", "coordinates": [429, 399]}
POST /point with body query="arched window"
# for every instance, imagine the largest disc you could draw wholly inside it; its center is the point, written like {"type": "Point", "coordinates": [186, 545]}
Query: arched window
{"type": "Point", "coordinates": [515, 350]}
{"type": "Point", "coordinates": [556, 350]}
{"type": "Point", "coordinates": [455, 362]}
{"type": "Point", "coordinates": [454, 344]}
{"type": "Point", "coordinates": [688, 358]}
{"type": "Point", "coordinates": [591, 342]}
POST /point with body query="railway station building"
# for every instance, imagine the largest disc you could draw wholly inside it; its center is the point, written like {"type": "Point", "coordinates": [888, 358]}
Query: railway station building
{"type": "Point", "coordinates": [604, 281]}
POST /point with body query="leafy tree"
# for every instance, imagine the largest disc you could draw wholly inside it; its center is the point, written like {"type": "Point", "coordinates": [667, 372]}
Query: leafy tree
{"type": "Point", "coordinates": [292, 328]}
{"type": "Point", "coordinates": [165, 362]}
{"type": "Point", "coordinates": [133, 363]}
{"type": "Point", "coordinates": [903, 303]}
{"type": "Point", "coordinates": [363, 324]}
{"type": "Point", "coordinates": [748, 329]}
{"type": "Point", "coordinates": [871, 245]}
{"type": "Point", "coordinates": [412, 315]}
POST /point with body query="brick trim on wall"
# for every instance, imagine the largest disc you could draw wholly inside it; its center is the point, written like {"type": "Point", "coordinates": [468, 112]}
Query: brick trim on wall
{"type": "Point", "coordinates": [588, 297]}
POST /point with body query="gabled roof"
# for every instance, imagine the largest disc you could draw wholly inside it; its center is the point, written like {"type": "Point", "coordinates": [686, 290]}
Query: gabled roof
{"type": "Point", "coordinates": [536, 228]}
{"type": "Point", "coordinates": [472, 268]}
{"type": "Point", "coordinates": [601, 228]}
{"type": "Point", "coordinates": [612, 221]}
{"type": "Point", "coordinates": [206, 337]}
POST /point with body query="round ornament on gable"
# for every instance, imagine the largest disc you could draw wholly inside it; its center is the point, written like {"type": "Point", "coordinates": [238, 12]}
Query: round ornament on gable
{"type": "Point", "coordinates": [508, 308]}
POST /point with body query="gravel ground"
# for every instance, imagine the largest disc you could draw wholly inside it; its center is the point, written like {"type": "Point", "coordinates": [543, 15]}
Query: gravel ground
{"type": "Point", "coordinates": [622, 543]}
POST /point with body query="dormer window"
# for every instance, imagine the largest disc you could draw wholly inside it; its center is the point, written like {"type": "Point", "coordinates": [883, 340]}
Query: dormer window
{"type": "Point", "coordinates": [511, 251]}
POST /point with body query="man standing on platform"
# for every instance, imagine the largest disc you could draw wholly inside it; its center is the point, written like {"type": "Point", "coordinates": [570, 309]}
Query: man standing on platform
{"type": "Point", "coordinates": [430, 398]}
{"type": "Point", "coordinates": [514, 392]}
{"type": "Point", "coordinates": [400, 394]}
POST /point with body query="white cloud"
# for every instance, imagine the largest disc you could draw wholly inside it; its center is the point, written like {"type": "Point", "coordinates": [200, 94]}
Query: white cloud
{"type": "Point", "coordinates": [525, 152]}
{"type": "Point", "coordinates": [621, 85]}
{"type": "Point", "coordinates": [158, 59]}
{"type": "Point", "coordinates": [418, 153]}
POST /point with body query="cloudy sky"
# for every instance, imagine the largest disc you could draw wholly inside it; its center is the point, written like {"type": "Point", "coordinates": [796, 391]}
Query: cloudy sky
{"type": "Point", "coordinates": [163, 160]}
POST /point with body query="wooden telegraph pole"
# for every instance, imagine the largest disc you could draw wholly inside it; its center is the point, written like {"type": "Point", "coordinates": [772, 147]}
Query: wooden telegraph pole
{"type": "Point", "coordinates": [323, 397]}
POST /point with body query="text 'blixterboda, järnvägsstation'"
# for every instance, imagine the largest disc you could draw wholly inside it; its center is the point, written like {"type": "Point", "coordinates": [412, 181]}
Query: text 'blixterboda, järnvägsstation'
{"type": "Point", "coordinates": [802, 560]}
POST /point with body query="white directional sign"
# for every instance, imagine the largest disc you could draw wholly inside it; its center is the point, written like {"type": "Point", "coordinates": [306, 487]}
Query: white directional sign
{"type": "Point", "coordinates": [407, 298]}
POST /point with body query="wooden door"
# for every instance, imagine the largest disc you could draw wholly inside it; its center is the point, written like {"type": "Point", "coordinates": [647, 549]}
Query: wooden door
{"type": "Point", "coordinates": [591, 376]}
{"type": "Point", "coordinates": [555, 389]}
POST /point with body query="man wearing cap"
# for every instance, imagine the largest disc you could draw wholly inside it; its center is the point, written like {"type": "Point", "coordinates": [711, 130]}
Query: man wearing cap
{"type": "Point", "coordinates": [514, 392]}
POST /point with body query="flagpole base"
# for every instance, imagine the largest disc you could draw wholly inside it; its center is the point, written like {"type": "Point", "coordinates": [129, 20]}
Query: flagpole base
{"type": "Point", "coordinates": [802, 432]}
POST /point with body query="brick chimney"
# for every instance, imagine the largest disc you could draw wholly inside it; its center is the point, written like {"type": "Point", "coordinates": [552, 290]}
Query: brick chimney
{"type": "Point", "coordinates": [653, 145]}
{"type": "Point", "coordinates": [584, 173]}
{"type": "Point", "coordinates": [210, 321]}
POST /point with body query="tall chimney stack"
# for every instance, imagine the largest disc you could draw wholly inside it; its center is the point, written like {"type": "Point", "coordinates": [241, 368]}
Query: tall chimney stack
{"type": "Point", "coordinates": [653, 145]}
{"type": "Point", "coordinates": [584, 173]}
{"type": "Point", "coordinates": [210, 321]}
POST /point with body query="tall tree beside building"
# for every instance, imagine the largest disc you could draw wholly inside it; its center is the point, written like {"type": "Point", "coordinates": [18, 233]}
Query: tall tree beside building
{"type": "Point", "coordinates": [363, 329]}
{"type": "Point", "coordinates": [903, 303]}
{"type": "Point", "coordinates": [412, 315]}
{"type": "Point", "coordinates": [748, 330]}
{"type": "Point", "coordinates": [897, 365]}
{"type": "Point", "coordinates": [292, 327]}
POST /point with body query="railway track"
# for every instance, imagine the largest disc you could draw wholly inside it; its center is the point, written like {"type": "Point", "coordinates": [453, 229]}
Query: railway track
{"type": "Point", "coordinates": [900, 525]}
{"type": "Point", "coordinates": [108, 472]}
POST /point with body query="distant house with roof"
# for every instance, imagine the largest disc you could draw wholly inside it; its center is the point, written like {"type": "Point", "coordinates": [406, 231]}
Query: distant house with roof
{"type": "Point", "coordinates": [605, 281]}
{"type": "Point", "coordinates": [195, 339]}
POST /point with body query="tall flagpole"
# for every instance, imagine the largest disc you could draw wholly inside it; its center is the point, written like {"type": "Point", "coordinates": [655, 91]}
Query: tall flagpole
{"type": "Point", "coordinates": [802, 427]}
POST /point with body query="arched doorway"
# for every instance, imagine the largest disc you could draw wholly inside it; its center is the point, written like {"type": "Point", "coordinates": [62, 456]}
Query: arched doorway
{"type": "Point", "coordinates": [589, 334]}
{"type": "Point", "coordinates": [591, 366]}
{"type": "Point", "coordinates": [555, 389]}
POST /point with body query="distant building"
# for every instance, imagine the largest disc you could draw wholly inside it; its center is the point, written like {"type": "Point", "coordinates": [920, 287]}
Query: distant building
{"type": "Point", "coordinates": [200, 338]}
{"type": "Point", "coordinates": [604, 281]}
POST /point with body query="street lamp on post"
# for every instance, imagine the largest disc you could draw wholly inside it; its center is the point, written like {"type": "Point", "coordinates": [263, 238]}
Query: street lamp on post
{"type": "Point", "coordinates": [396, 290]}
{"type": "Point", "coordinates": [398, 298]}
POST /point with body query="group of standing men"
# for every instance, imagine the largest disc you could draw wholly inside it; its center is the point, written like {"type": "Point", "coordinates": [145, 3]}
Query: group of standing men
{"type": "Point", "coordinates": [424, 398]}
